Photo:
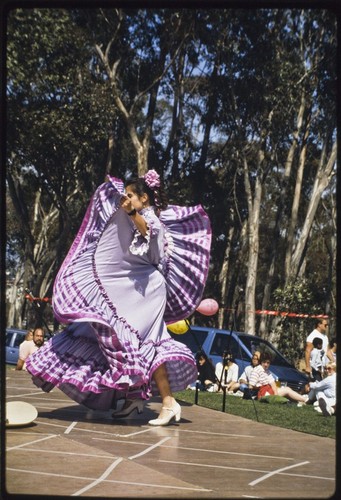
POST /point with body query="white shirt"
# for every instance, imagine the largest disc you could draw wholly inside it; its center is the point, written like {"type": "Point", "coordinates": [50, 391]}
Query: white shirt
{"type": "Point", "coordinates": [246, 373]}
{"type": "Point", "coordinates": [231, 375]}
{"type": "Point", "coordinates": [26, 348]}
{"type": "Point", "coordinates": [326, 385]}
{"type": "Point", "coordinates": [316, 358]}
{"type": "Point", "coordinates": [319, 335]}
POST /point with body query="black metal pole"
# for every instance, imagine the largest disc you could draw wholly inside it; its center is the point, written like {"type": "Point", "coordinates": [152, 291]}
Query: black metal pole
{"type": "Point", "coordinates": [224, 399]}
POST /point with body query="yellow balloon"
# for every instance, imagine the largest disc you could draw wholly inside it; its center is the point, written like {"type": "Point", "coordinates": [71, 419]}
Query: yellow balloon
{"type": "Point", "coordinates": [179, 327]}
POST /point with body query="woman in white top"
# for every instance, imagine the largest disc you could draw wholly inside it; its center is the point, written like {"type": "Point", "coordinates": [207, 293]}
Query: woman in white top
{"type": "Point", "coordinates": [324, 391]}
{"type": "Point", "coordinates": [226, 371]}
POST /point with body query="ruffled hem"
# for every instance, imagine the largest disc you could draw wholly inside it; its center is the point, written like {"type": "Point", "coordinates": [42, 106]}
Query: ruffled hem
{"type": "Point", "coordinates": [79, 367]}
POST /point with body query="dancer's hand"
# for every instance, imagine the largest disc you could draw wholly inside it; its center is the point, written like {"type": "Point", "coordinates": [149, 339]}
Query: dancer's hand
{"type": "Point", "coordinates": [126, 204]}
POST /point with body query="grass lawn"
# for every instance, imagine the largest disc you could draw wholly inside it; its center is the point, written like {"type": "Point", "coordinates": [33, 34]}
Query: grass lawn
{"type": "Point", "coordinates": [290, 416]}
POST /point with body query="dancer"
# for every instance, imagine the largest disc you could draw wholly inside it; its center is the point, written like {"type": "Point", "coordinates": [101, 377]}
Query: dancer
{"type": "Point", "coordinates": [135, 265]}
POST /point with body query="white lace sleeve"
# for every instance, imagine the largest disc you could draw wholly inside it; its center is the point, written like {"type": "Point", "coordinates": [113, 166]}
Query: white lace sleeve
{"type": "Point", "coordinates": [141, 244]}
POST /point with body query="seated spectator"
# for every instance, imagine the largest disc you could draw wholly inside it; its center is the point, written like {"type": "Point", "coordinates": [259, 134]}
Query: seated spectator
{"type": "Point", "coordinates": [226, 372]}
{"type": "Point", "coordinates": [263, 381]}
{"type": "Point", "coordinates": [243, 381]}
{"type": "Point", "coordinates": [316, 359]}
{"type": "Point", "coordinates": [330, 355]}
{"type": "Point", "coordinates": [206, 375]}
{"type": "Point", "coordinates": [28, 347]}
{"type": "Point", "coordinates": [324, 392]}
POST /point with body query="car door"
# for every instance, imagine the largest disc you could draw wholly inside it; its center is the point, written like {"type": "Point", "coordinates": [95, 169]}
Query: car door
{"type": "Point", "coordinates": [13, 340]}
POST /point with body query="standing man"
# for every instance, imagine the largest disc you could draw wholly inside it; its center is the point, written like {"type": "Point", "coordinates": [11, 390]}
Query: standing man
{"type": "Point", "coordinates": [320, 330]}
{"type": "Point", "coordinates": [29, 347]}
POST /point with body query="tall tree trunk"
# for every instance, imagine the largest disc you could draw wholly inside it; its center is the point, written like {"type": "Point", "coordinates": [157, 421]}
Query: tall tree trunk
{"type": "Point", "coordinates": [322, 179]}
{"type": "Point", "coordinates": [296, 202]}
{"type": "Point", "coordinates": [253, 248]}
{"type": "Point", "coordinates": [263, 327]}
{"type": "Point", "coordinates": [223, 276]}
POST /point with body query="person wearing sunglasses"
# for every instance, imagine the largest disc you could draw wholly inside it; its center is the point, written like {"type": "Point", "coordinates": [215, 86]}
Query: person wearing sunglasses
{"type": "Point", "coordinates": [323, 393]}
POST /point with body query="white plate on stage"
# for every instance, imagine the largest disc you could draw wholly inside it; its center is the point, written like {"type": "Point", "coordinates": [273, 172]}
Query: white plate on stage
{"type": "Point", "coordinates": [20, 413]}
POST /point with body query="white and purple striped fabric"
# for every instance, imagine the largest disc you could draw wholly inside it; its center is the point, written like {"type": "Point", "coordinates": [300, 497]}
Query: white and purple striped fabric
{"type": "Point", "coordinates": [116, 302]}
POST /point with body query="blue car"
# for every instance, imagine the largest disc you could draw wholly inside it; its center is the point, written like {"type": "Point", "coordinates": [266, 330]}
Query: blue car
{"type": "Point", "coordinates": [242, 345]}
{"type": "Point", "coordinates": [14, 337]}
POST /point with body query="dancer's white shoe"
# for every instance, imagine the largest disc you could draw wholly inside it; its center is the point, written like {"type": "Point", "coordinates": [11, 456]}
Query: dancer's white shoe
{"type": "Point", "coordinates": [171, 413]}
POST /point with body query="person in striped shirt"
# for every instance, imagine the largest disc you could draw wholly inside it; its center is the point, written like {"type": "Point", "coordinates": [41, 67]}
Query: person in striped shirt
{"type": "Point", "coordinates": [262, 380]}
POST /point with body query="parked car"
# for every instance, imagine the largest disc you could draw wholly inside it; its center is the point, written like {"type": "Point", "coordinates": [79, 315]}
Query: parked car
{"type": "Point", "coordinates": [14, 337]}
{"type": "Point", "coordinates": [242, 345]}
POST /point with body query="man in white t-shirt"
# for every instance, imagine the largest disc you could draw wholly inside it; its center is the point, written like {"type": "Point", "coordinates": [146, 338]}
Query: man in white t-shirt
{"type": "Point", "coordinates": [320, 330]}
{"type": "Point", "coordinates": [29, 347]}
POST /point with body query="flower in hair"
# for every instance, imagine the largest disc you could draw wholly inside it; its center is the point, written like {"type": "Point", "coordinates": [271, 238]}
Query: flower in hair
{"type": "Point", "coordinates": [152, 179]}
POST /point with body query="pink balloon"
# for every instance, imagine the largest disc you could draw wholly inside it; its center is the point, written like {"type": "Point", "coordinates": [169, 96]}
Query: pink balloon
{"type": "Point", "coordinates": [208, 307]}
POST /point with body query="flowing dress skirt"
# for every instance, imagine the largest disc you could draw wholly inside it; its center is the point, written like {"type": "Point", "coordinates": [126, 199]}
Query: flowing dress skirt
{"type": "Point", "coordinates": [115, 292]}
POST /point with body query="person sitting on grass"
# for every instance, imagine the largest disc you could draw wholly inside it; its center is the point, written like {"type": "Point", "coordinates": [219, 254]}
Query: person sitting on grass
{"type": "Point", "coordinates": [206, 375]}
{"type": "Point", "coordinates": [226, 372]}
{"type": "Point", "coordinates": [323, 392]}
{"type": "Point", "coordinates": [263, 381]}
{"type": "Point", "coordinates": [243, 381]}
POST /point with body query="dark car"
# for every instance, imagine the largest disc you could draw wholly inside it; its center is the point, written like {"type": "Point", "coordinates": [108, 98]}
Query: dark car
{"type": "Point", "coordinates": [242, 345]}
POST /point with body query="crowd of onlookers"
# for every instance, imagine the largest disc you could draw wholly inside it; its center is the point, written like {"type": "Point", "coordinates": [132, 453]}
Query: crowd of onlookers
{"type": "Point", "coordinates": [257, 381]}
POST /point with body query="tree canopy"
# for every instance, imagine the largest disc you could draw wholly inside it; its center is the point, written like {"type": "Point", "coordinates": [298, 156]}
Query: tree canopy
{"type": "Point", "coordinates": [234, 107]}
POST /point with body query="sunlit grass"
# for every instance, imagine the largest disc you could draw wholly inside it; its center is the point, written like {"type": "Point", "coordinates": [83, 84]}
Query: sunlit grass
{"type": "Point", "coordinates": [290, 416]}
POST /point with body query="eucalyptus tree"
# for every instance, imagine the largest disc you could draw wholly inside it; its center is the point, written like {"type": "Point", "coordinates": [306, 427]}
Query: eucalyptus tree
{"type": "Point", "coordinates": [271, 93]}
{"type": "Point", "coordinates": [57, 122]}
{"type": "Point", "coordinates": [229, 104]}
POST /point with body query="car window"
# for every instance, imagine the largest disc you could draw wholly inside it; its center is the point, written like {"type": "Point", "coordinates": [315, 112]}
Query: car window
{"type": "Point", "coordinates": [19, 338]}
{"type": "Point", "coordinates": [263, 345]}
{"type": "Point", "coordinates": [224, 342]}
{"type": "Point", "coordinates": [9, 336]}
{"type": "Point", "coordinates": [193, 338]}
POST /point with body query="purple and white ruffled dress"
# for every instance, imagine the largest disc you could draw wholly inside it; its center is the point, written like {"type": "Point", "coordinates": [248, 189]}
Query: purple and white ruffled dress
{"type": "Point", "coordinates": [115, 291]}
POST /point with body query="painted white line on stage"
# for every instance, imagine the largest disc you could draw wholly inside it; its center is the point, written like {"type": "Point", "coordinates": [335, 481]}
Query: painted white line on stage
{"type": "Point", "coordinates": [31, 442]}
{"type": "Point", "coordinates": [150, 448]}
{"type": "Point", "coordinates": [185, 448]}
{"type": "Point", "coordinates": [223, 452]}
{"type": "Point", "coordinates": [211, 433]}
{"type": "Point", "coordinates": [100, 479]}
{"type": "Point", "coordinates": [80, 429]}
{"type": "Point", "coordinates": [306, 476]}
{"type": "Point", "coordinates": [43, 396]}
{"type": "Point", "coordinates": [55, 452]}
{"type": "Point", "coordinates": [130, 483]}
{"type": "Point", "coordinates": [27, 433]}
{"type": "Point", "coordinates": [71, 426]}
{"type": "Point", "coordinates": [23, 395]}
{"type": "Point", "coordinates": [41, 422]}
{"type": "Point", "coordinates": [135, 433]}
{"type": "Point", "coordinates": [278, 471]}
